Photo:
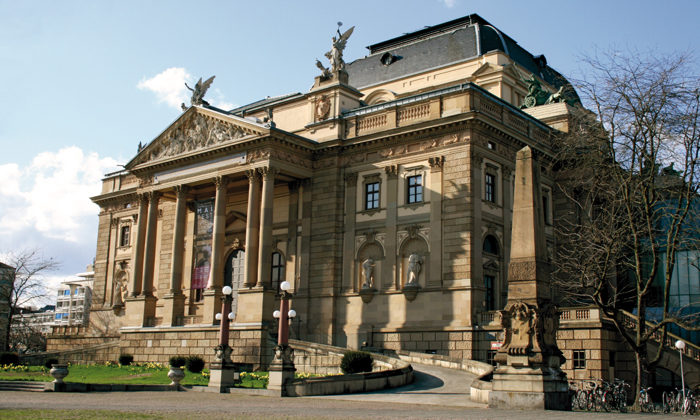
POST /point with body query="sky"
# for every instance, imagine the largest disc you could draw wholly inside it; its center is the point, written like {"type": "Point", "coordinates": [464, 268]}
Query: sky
{"type": "Point", "coordinates": [83, 82]}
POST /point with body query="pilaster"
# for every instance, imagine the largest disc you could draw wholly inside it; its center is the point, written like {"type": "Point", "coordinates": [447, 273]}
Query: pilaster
{"type": "Point", "coordinates": [348, 282]}
{"type": "Point", "coordinates": [389, 269]}
{"type": "Point", "coordinates": [435, 275]}
{"type": "Point", "coordinates": [137, 257]}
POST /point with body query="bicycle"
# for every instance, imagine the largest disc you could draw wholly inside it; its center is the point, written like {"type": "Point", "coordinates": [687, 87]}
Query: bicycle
{"type": "Point", "coordinates": [645, 402]}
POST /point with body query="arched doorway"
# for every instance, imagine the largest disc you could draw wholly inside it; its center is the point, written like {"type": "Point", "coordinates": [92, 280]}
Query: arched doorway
{"type": "Point", "coordinates": [234, 275]}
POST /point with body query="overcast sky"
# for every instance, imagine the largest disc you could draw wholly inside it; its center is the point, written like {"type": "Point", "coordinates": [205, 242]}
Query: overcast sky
{"type": "Point", "coordinates": [83, 82]}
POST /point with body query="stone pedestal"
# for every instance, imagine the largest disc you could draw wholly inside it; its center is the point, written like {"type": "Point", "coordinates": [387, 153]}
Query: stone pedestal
{"type": "Point", "coordinates": [173, 309]}
{"type": "Point", "coordinates": [222, 376]}
{"type": "Point", "coordinates": [281, 369]}
{"type": "Point", "coordinates": [140, 311]}
{"type": "Point", "coordinates": [525, 388]}
{"type": "Point", "coordinates": [212, 305]}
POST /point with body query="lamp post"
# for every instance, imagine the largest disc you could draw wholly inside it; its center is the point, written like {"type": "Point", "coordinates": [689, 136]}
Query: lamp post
{"type": "Point", "coordinates": [222, 371]}
{"type": "Point", "coordinates": [680, 345]}
{"type": "Point", "coordinates": [282, 367]}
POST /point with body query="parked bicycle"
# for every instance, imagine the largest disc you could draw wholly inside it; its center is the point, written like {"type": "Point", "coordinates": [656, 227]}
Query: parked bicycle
{"type": "Point", "coordinates": [645, 402]}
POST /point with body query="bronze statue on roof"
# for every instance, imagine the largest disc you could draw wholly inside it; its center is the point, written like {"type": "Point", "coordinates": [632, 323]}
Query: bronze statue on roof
{"type": "Point", "coordinates": [200, 89]}
{"type": "Point", "coordinates": [335, 55]}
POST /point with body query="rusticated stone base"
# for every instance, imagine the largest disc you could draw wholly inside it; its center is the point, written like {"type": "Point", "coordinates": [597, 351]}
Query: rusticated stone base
{"type": "Point", "coordinates": [529, 389]}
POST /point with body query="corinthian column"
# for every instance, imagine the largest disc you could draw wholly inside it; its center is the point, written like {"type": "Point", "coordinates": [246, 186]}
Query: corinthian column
{"type": "Point", "coordinates": [178, 240]}
{"type": "Point", "coordinates": [264, 252]}
{"type": "Point", "coordinates": [217, 244]}
{"type": "Point", "coordinates": [252, 240]}
{"type": "Point", "coordinates": [174, 302]}
{"type": "Point", "coordinates": [150, 251]}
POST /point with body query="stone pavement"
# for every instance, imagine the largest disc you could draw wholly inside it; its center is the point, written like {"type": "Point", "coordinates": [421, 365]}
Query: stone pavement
{"type": "Point", "coordinates": [437, 393]}
{"type": "Point", "coordinates": [187, 405]}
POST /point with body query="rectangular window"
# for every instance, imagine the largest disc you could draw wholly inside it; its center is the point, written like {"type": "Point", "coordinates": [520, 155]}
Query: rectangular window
{"type": "Point", "coordinates": [66, 292]}
{"type": "Point", "coordinates": [489, 297]}
{"type": "Point", "coordinates": [372, 195]}
{"type": "Point", "coordinates": [490, 188]}
{"type": "Point", "coordinates": [125, 231]}
{"type": "Point", "coordinates": [277, 273]}
{"type": "Point", "coordinates": [415, 189]}
{"type": "Point", "coordinates": [545, 207]}
{"type": "Point", "coordinates": [490, 356]}
{"type": "Point", "coordinates": [579, 359]}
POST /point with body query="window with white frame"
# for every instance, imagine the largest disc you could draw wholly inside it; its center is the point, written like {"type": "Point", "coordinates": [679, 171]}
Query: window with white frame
{"type": "Point", "coordinates": [372, 195]}
{"type": "Point", "coordinates": [414, 184]}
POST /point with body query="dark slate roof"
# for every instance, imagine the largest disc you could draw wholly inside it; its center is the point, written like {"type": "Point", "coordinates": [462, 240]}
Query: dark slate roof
{"type": "Point", "coordinates": [240, 111]}
{"type": "Point", "coordinates": [3, 265]}
{"type": "Point", "coordinates": [435, 46]}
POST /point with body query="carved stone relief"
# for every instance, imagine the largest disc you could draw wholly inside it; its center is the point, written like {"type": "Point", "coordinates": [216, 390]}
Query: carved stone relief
{"type": "Point", "coordinates": [197, 133]}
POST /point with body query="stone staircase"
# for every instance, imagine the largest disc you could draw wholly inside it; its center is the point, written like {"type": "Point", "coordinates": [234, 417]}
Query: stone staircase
{"type": "Point", "coordinates": [22, 386]}
{"type": "Point", "coordinates": [670, 355]}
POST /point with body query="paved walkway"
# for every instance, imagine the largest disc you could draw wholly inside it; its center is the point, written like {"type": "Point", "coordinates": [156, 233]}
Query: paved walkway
{"type": "Point", "coordinates": [437, 393]}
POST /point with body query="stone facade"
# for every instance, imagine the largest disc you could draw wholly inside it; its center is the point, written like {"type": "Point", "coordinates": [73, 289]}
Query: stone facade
{"type": "Point", "coordinates": [384, 195]}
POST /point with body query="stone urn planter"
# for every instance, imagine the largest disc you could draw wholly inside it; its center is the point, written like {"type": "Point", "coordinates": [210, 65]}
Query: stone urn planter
{"type": "Point", "coordinates": [176, 373]}
{"type": "Point", "coordinates": [59, 371]}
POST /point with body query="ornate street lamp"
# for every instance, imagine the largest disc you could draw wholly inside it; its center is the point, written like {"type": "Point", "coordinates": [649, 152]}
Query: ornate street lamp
{"type": "Point", "coordinates": [680, 345]}
{"type": "Point", "coordinates": [222, 370]}
{"type": "Point", "coordinates": [282, 367]}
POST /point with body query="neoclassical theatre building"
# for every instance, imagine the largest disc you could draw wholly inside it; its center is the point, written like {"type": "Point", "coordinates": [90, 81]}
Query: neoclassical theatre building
{"type": "Point", "coordinates": [383, 195]}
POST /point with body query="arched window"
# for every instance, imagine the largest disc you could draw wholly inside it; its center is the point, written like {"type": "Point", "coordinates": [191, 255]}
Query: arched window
{"type": "Point", "coordinates": [277, 274]}
{"type": "Point", "coordinates": [490, 245]}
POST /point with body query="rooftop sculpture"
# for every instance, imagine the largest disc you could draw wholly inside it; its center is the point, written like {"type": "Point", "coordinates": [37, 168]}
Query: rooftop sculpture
{"type": "Point", "coordinates": [335, 55]}
{"type": "Point", "coordinates": [200, 89]}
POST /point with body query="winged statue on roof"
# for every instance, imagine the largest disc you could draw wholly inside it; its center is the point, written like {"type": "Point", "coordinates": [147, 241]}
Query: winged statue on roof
{"type": "Point", "coordinates": [335, 55]}
{"type": "Point", "coordinates": [200, 89]}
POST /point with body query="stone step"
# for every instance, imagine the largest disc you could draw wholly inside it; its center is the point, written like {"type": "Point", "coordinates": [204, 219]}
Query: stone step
{"type": "Point", "coordinates": [22, 386]}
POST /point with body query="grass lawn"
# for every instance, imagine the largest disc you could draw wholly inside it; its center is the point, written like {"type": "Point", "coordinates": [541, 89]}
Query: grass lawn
{"type": "Point", "coordinates": [148, 373]}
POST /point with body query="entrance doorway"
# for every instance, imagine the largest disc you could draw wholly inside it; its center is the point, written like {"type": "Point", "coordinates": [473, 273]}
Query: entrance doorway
{"type": "Point", "coordinates": [234, 275]}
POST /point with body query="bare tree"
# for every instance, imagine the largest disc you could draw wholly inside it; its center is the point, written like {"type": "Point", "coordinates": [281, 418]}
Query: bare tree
{"type": "Point", "coordinates": [29, 284]}
{"type": "Point", "coordinates": [630, 172]}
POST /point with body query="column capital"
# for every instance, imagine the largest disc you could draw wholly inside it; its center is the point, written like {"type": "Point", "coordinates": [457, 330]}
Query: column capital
{"type": "Point", "coordinates": [436, 163]}
{"type": "Point", "coordinates": [154, 195]}
{"type": "Point", "coordinates": [143, 197]}
{"type": "Point", "coordinates": [351, 178]}
{"type": "Point", "coordinates": [220, 182]}
{"type": "Point", "coordinates": [392, 171]}
{"type": "Point", "coordinates": [252, 175]}
{"type": "Point", "coordinates": [268, 172]}
{"type": "Point", "coordinates": [477, 159]}
{"type": "Point", "coordinates": [181, 190]}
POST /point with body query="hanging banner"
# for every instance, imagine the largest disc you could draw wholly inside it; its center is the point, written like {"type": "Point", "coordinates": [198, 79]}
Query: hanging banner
{"type": "Point", "coordinates": [202, 263]}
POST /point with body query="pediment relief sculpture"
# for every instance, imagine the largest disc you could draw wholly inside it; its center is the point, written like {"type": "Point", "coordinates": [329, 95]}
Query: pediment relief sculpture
{"type": "Point", "coordinates": [198, 132]}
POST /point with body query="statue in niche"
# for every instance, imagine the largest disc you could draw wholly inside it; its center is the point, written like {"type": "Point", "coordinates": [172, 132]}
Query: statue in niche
{"type": "Point", "coordinates": [368, 273]}
{"type": "Point", "coordinates": [335, 55]}
{"type": "Point", "coordinates": [120, 292]}
{"type": "Point", "coordinates": [415, 263]}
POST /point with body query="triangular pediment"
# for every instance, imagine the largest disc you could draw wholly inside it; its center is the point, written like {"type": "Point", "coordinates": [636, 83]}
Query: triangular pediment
{"type": "Point", "coordinates": [490, 69]}
{"type": "Point", "coordinates": [197, 130]}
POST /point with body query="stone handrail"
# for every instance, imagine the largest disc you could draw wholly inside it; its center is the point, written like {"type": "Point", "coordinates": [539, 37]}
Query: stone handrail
{"type": "Point", "coordinates": [691, 350]}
